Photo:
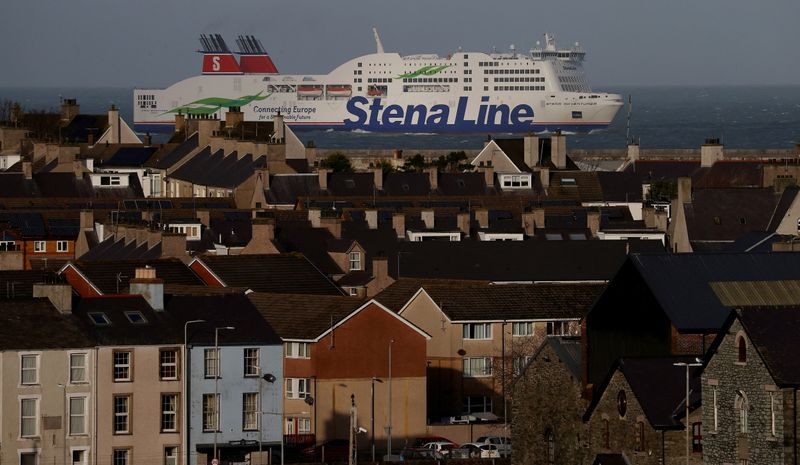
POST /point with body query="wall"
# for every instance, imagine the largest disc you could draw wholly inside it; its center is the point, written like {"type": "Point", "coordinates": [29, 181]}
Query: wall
{"type": "Point", "coordinates": [28, 247]}
{"type": "Point", "coordinates": [146, 442]}
{"type": "Point", "coordinates": [231, 385]}
{"type": "Point", "coordinates": [53, 370]}
{"type": "Point", "coordinates": [727, 376]}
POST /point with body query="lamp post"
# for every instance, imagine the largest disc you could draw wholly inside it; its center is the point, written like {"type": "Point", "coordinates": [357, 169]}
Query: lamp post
{"type": "Point", "coordinates": [372, 415]}
{"type": "Point", "coordinates": [187, 399]}
{"type": "Point", "coordinates": [270, 378]}
{"type": "Point", "coordinates": [696, 363]}
{"type": "Point", "coordinates": [389, 428]}
{"type": "Point", "coordinates": [216, 384]}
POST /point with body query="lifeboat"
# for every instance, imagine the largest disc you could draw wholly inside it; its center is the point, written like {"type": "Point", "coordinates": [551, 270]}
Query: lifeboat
{"type": "Point", "coordinates": [309, 91]}
{"type": "Point", "coordinates": [376, 91]}
{"type": "Point", "coordinates": [340, 91]}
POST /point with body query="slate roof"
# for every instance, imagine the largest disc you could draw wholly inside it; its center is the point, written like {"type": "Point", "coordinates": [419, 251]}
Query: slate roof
{"type": "Point", "coordinates": [221, 310]}
{"type": "Point", "coordinates": [302, 316]}
{"type": "Point", "coordinates": [34, 324]}
{"type": "Point", "coordinates": [157, 329]}
{"type": "Point", "coordinates": [285, 189]}
{"type": "Point", "coordinates": [515, 151]}
{"type": "Point", "coordinates": [169, 159]}
{"type": "Point", "coordinates": [280, 273]}
{"type": "Point", "coordinates": [103, 274]}
{"type": "Point", "coordinates": [16, 284]}
{"type": "Point", "coordinates": [468, 301]}
{"type": "Point", "coordinates": [217, 169]}
{"type": "Point", "coordinates": [130, 156]}
{"type": "Point", "coordinates": [781, 210]}
{"type": "Point", "coordinates": [773, 332]}
{"type": "Point", "coordinates": [462, 184]}
{"type": "Point", "coordinates": [659, 170]}
{"type": "Point", "coordinates": [56, 185]}
{"type": "Point", "coordinates": [728, 174]}
{"type": "Point", "coordinates": [680, 282]}
{"type": "Point", "coordinates": [403, 184]}
{"type": "Point", "coordinates": [515, 261]}
{"type": "Point", "coordinates": [113, 249]}
{"type": "Point", "coordinates": [79, 128]}
{"type": "Point", "coordinates": [351, 184]}
{"type": "Point", "coordinates": [728, 214]}
{"type": "Point", "coordinates": [619, 186]}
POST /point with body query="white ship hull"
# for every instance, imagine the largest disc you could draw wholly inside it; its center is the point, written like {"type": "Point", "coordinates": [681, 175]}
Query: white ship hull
{"type": "Point", "coordinates": [387, 92]}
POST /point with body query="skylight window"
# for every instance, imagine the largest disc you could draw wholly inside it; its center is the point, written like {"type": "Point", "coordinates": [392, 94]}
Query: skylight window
{"type": "Point", "coordinates": [136, 318]}
{"type": "Point", "coordinates": [99, 319]}
{"type": "Point", "coordinates": [568, 182]}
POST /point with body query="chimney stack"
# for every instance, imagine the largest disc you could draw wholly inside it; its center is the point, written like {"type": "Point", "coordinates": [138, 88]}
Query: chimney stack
{"type": "Point", "coordinates": [27, 169]}
{"type": "Point", "coordinates": [428, 218]}
{"type": "Point", "coordinates": [684, 190]}
{"type": "Point", "coordinates": [531, 150]}
{"type": "Point", "coordinates": [180, 122]}
{"type": "Point", "coordinates": [323, 178]}
{"type": "Point", "coordinates": [148, 286]}
{"type": "Point", "coordinates": [633, 152]}
{"type": "Point", "coordinates": [711, 152]}
{"type": "Point", "coordinates": [544, 177]}
{"type": "Point", "coordinates": [233, 117]}
{"type": "Point", "coordinates": [488, 173]}
{"type": "Point", "coordinates": [277, 123]}
{"type": "Point", "coordinates": [173, 245]}
{"type": "Point", "coordinates": [69, 110]}
{"type": "Point", "coordinates": [380, 276]}
{"type": "Point", "coordinates": [315, 217]}
{"type": "Point", "coordinates": [114, 125]}
{"type": "Point", "coordinates": [378, 173]}
{"type": "Point", "coordinates": [593, 222]}
{"type": "Point", "coordinates": [60, 295]}
{"type": "Point", "coordinates": [462, 219]}
{"type": "Point", "coordinates": [148, 140]}
{"type": "Point", "coordinates": [399, 225]}
{"type": "Point", "coordinates": [263, 233]}
{"type": "Point", "coordinates": [482, 216]}
{"type": "Point", "coordinates": [558, 150]}
{"type": "Point", "coordinates": [372, 218]}
{"type": "Point", "coordinates": [205, 217]}
{"type": "Point", "coordinates": [433, 176]}
{"type": "Point", "coordinates": [333, 225]}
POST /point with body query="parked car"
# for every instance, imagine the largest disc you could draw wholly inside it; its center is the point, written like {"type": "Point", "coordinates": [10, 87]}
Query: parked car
{"type": "Point", "coordinates": [503, 443]}
{"type": "Point", "coordinates": [473, 450]}
{"type": "Point", "coordinates": [417, 453]}
{"type": "Point", "coordinates": [335, 450]}
{"type": "Point", "coordinates": [422, 440]}
{"type": "Point", "coordinates": [441, 449]}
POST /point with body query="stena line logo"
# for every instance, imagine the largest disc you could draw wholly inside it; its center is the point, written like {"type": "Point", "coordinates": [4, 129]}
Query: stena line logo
{"type": "Point", "coordinates": [376, 115]}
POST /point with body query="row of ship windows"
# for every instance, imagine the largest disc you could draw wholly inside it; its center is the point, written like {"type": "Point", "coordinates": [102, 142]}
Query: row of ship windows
{"type": "Point", "coordinates": [430, 80]}
{"type": "Point", "coordinates": [519, 79]}
{"type": "Point", "coordinates": [574, 88]}
{"type": "Point", "coordinates": [515, 88]}
{"type": "Point", "coordinates": [511, 71]}
{"type": "Point", "coordinates": [388, 80]}
{"type": "Point", "coordinates": [571, 79]}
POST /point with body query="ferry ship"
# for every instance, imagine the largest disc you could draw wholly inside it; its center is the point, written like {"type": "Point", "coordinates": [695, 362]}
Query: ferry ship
{"type": "Point", "coordinates": [544, 90]}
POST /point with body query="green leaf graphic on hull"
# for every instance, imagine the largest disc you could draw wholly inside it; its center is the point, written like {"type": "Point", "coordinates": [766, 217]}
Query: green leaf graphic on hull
{"type": "Point", "coordinates": [207, 106]}
{"type": "Point", "coordinates": [424, 71]}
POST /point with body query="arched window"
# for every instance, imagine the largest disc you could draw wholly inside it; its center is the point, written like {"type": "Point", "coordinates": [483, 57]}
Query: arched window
{"type": "Point", "coordinates": [742, 346]}
{"type": "Point", "coordinates": [606, 434]}
{"type": "Point", "coordinates": [550, 438]}
{"type": "Point", "coordinates": [639, 436]}
{"type": "Point", "coordinates": [741, 407]}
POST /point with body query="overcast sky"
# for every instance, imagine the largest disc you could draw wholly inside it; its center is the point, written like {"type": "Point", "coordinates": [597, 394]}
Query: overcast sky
{"type": "Point", "coordinates": [642, 42]}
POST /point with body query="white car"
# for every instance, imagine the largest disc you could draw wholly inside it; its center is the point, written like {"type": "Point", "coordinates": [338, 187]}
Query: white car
{"type": "Point", "coordinates": [502, 443]}
{"type": "Point", "coordinates": [484, 451]}
{"type": "Point", "coordinates": [441, 448]}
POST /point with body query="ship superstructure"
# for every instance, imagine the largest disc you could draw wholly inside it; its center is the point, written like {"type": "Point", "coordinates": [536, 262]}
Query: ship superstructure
{"type": "Point", "coordinates": [509, 92]}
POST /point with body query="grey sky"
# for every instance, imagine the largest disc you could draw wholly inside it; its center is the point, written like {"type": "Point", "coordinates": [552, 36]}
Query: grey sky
{"type": "Point", "coordinates": [152, 42]}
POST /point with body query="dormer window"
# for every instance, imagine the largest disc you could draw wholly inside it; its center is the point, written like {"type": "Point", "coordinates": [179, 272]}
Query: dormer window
{"type": "Point", "coordinates": [99, 319]}
{"type": "Point", "coordinates": [136, 318]}
{"type": "Point", "coordinates": [355, 261]}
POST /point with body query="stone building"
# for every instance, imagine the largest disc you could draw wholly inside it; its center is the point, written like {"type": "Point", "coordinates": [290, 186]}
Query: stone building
{"type": "Point", "coordinates": [548, 405]}
{"type": "Point", "coordinates": [750, 389]}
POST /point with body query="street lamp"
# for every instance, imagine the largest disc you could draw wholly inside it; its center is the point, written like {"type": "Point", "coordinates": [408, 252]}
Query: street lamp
{"type": "Point", "coordinates": [372, 414]}
{"type": "Point", "coordinates": [187, 399]}
{"type": "Point", "coordinates": [270, 378]}
{"type": "Point", "coordinates": [216, 384]}
{"type": "Point", "coordinates": [696, 363]}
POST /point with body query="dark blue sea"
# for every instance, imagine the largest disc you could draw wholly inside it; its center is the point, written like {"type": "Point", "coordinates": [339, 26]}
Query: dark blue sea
{"type": "Point", "coordinates": [661, 117]}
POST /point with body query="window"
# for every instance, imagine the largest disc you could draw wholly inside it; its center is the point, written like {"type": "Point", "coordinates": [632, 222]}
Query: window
{"type": "Point", "coordinates": [477, 331]}
{"type": "Point", "coordinates": [741, 407]}
{"type": "Point", "coordinates": [122, 366]}
{"type": "Point", "coordinates": [716, 410]}
{"type": "Point", "coordinates": [121, 457]}
{"type": "Point", "coordinates": [477, 366]}
{"type": "Point", "coordinates": [303, 425]}
{"type": "Point", "coordinates": [27, 458]}
{"type": "Point", "coordinates": [99, 318]}
{"type": "Point", "coordinates": [297, 350]}
{"type": "Point", "coordinates": [62, 246]}
{"type": "Point", "coordinates": [606, 434]}
{"type": "Point", "coordinates": [250, 411]}
{"type": "Point", "coordinates": [122, 408]}
{"type": "Point", "coordinates": [519, 364]}
{"type": "Point", "coordinates": [639, 447]}
{"type": "Point", "coordinates": [77, 368]}
{"type": "Point", "coordinates": [251, 362]}
{"type": "Point", "coordinates": [557, 328]}
{"type": "Point", "coordinates": [298, 388]}
{"type": "Point", "coordinates": [168, 364]}
{"type": "Point", "coordinates": [697, 437]}
{"type": "Point", "coordinates": [29, 413]}
{"type": "Point", "coordinates": [742, 349]}
{"type": "Point", "coordinates": [77, 416]}
{"type": "Point", "coordinates": [477, 404]}
{"type": "Point", "coordinates": [773, 414]}
{"type": "Point", "coordinates": [28, 369]}
{"type": "Point", "coordinates": [39, 246]}
{"type": "Point", "coordinates": [522, 329]}
{"type": "Point", "coordinates": [353, 291]}
{"type": "Point", "coordinates": [355, 261]}
{"type": "Point", "coordinates": [136, 318]}
{"type": "Point", "coordinates": [622, 403]}
{"type": "Point", "coordinates": [171, 455]}
{"type": "Point", "coordinates": [169, 412]}
{"type": "Point", "coordinates": [155, 185]}
{"type": "Point", "coordinates": [211, 363]}
{"type": "Point", "coordinates": [210, 409]}
{"type": "Point", "coordinates": [550, 437]}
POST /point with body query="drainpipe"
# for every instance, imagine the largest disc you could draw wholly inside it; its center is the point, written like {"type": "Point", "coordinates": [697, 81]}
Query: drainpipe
{"type": "Point", "coordinates": [663, 451]}
{"type": "Point", "coordinates": [96, 402]}
{"type": "Point", "coordinates": [794, 424]}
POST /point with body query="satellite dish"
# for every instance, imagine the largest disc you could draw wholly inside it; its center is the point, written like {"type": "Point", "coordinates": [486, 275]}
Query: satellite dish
{"type": "Point", "coordinates": [309, 400]}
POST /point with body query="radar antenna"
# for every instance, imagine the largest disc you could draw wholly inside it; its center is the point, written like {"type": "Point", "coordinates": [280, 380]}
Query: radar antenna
{"type": "Point", "coordinates": [378, 43]}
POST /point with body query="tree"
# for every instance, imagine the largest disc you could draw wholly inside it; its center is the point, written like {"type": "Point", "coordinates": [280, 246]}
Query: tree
{"type": "Point", "coordinates": [387, 167]}
{"type": "Point", "coordinates": [666, 189]}
{"type": "Point", "coordinates": [337, 162]}
{"type": "Point", "coordinates": [415, 163]}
